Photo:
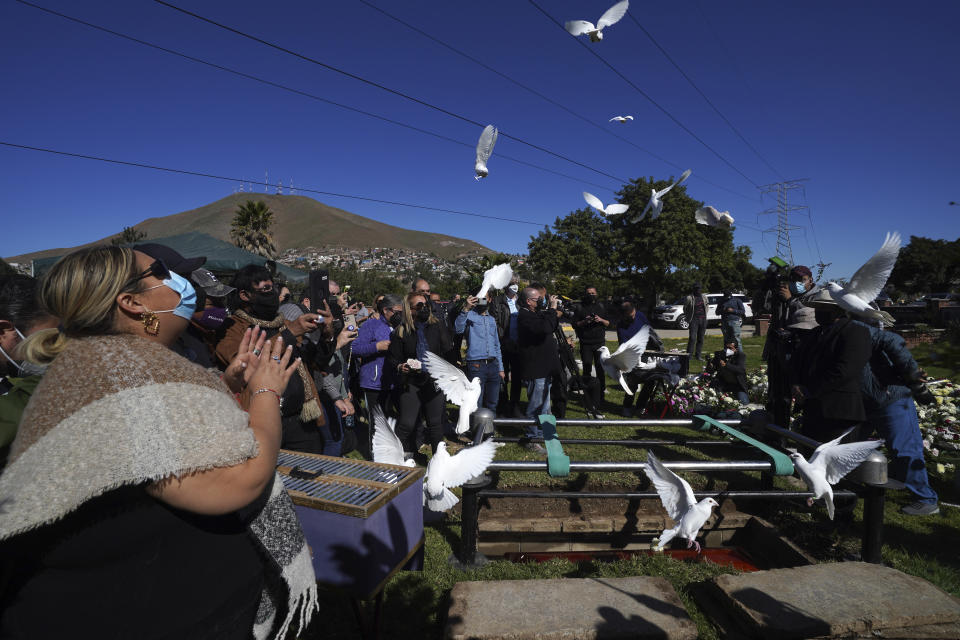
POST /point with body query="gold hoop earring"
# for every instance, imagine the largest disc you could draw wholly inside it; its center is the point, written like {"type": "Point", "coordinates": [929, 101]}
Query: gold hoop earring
{"type": "Point", "coordinates": [151, 322]}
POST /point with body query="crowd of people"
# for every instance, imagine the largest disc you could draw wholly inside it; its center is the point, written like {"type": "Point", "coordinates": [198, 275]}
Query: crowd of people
{"type": "Point", "coordinates": [145, 401]}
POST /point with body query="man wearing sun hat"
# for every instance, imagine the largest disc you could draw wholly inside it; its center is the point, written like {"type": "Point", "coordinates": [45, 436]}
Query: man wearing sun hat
{"type": "Point", "coordinates": [828, 371]}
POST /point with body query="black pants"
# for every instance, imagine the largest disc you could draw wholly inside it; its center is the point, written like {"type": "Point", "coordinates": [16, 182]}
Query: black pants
{"type": "Point", "coordinates": [591, 361]}
{"type": "Point", "coordinates": [511, 369]}
{"type": "Point", "coordinates": [301, 436]}
{"type": "Point", "coordinates": [413, 398]}
{"type": "Point", "coordinates": [698, 327]}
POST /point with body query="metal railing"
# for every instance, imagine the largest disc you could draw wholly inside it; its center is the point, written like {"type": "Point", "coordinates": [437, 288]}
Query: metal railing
{"type": "Point", "coordinates": [871, 472]}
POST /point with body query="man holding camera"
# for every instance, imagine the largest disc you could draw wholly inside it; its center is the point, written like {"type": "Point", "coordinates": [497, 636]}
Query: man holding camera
{"type": "Point", "coordinates": [790, 320]}
{"type": "Point", "coordinates": [731, 312]}
{"type": "Point", "coordinates": [483, 359]}
{"type": "Point", "coordinates": [591, 327]}
{"type": "Point", "coordinates": [536, 323]}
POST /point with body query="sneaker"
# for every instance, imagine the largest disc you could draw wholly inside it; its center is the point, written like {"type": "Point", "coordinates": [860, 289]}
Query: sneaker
{"type": "Point", "coordinates": [599, 416]}
{"type": "Point", "coordinates": [921, 509]}
{"type": "Point", "coordinates": [533, 447]}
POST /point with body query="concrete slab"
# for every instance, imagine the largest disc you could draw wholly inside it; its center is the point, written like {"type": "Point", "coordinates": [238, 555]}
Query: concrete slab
{"type": "Point", "coordinates": [568, 609]}
{"type": "Point", "coordinates": [839, 599]}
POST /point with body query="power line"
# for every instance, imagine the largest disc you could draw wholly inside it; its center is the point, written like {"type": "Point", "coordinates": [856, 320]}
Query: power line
{"type": "Point", "coordinates": [703, 95]}
{"type": "Point", "coordinates": [300, 92]}
{"type": "Point", "coordinates": [640, 91]}
{"type": "Point", "coordinates": [142, 165]}
{"type": "Point", "coordinates": [384, 88]}
{"type": "Point", "coordinates": [536, 93]}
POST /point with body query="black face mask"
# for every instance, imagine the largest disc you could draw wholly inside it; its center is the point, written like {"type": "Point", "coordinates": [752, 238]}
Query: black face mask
{"type": "Point", "coordinates": [423, 314]}
{"type": "Point", "coordinates": [482, 306]}
{"type": "Point", "coordinates": [264, 305]}
{"type": "Point", "coordinates": [589, 298]}
{"type": "Point", "coordinates": [396, 320]}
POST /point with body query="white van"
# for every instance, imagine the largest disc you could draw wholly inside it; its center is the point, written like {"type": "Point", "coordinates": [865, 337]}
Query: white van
{"type": "Point", "coordinates": [671, 315]}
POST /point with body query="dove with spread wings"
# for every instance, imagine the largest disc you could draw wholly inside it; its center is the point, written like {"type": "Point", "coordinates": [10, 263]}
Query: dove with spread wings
{"type": "Point", "coordinates": [830, 462]}
{"type": "Point", "coordinates": [610, 17]}
{"type": "Point", "coordinates": [445, 472]}
{"type": "Point", "coordinates": [453, 382]}
{"type": "Point", "coordinates": [677, 497]}
{"type": "Point", "coordinates": [655, 203]}
{"type": "Point", "coordinates": [867, 283]}
{"type": "Point", "coordinates": [626, 358]}
{"type": "Point", "coordinates": [497, 277]}
{"type": "Point", "coordinates": [609, 210]}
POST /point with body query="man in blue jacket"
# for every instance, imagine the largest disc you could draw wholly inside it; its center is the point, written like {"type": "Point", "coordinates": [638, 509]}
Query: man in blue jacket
{"type": "Point", "coordinates": [483, 359]}
{"type": "Point", "coordinates": [731, 312]}
{"type": "Point", "coordinates": [890, 385]}
{"type": "Point", "coordinates": [373, 340]}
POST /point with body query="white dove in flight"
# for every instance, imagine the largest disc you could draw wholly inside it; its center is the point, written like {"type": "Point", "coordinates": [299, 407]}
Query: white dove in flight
{"type": "Point", "coordinates": [713, 218]}
{"type": "Point", "coordinates": [453, 382]}
{"type": "Point", "coordinates": [655, 203]}
{"type": "Point", "coordinates": [677, 497]}
{"type": "Point", "coordinates": [445, 472]}
{"type": "Point", "coordinates": [626, 358]}
{"type": "Point", "coordinates": [609, 210]}
{"type": "Point", "coordinates": [497, 277]}
{"type": "Point", "coordinates": [610, 16]}
{"type": "Point", "coordinates": [484, 148]}
{"type": "Point", "coordinates": [387, 447]}
{"type": "Point", "coordinates": [867, 283]}
{"type": "Point", "coordinates": [620, 119]}
{"type": "Point", "coordinates": [830, 462]}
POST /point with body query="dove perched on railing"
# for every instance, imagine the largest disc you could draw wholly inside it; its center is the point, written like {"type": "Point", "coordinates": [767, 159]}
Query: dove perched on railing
{"type": "Point", "coordinates": [677, 497]}
{"type": "Point", "coordinates": [626, 358]}
{"type": "Point", "coordinates": [497, 277]}
{"type": "Point", "coordinates": [655, 203]}
{"type": "Point", "coordinates": [713, 218]}
{"type": "Point", "coordinates": [445, 472]}
{"type": "Point", "coordinates": [610, 17]}
{"type": "Point", "coordinates": [830, 462]}
{"type": "Point", "coordinates": [867, 283]}
{"type": "Point", "coordinates": [609, 210]}
{"type": "Point", "coordinates": [484, 148]}
{"type": "Point", "coordinates": [454, 384]}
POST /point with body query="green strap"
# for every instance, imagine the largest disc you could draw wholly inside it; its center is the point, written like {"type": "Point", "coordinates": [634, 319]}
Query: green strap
{"type": "Point", "coordinates": [558, 464]}
{"type": "Point", "coordinates": [782, 464]}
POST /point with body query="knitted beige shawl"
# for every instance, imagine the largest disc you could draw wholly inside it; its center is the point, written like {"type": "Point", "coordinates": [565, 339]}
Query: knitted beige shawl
{"type": "Point", "coordinates": [122, 410]}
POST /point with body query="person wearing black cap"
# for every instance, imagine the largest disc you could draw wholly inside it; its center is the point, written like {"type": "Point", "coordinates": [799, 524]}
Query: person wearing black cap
{"type": "Point", "coordinates": [188, 344]}
{"type": "Point", "coordinates": [695, 309]}
{"type": "Point", "coordinates": [791, 321]}
{"type": "Point", "coordinates": [209, 321]}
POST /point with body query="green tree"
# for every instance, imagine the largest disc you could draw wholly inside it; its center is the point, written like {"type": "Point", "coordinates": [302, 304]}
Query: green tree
{"type": "Point", "coordinates": [926, 266]}
{"type": "Point", "coordinates": [655, 259]}
{"type": "Point", "coordinates": [250, 228]}
{"type": "Point", "coordinates": [129, 235]}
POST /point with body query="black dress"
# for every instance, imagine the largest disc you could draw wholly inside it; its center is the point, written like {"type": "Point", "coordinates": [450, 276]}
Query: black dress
{"type": "Point", "coordinates": [126, 565]}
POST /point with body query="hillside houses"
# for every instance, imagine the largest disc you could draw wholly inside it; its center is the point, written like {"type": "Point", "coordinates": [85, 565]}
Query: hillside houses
{"type": "Point", "coordinates": [382, 259]}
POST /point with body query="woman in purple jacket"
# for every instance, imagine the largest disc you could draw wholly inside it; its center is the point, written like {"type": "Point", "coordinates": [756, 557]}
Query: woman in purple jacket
{"type": "Point", "coordinates": [373, 339]}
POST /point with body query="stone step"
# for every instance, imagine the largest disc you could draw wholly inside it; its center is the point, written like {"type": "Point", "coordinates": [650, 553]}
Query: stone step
{"type": "Point", "coordinates": [846, 599]}
{"type": "Point", "coordinates": [568, 609]}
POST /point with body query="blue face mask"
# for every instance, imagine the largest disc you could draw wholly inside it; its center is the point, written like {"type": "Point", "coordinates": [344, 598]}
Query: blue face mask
{"type": "Point", "coordinates": [188, 296]}
{"type": "Point", "coordinates": [797, 288]}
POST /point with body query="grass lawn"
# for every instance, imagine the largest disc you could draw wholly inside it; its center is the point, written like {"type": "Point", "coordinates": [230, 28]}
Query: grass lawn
{"type": "Point", "coordinates": [415, 603]}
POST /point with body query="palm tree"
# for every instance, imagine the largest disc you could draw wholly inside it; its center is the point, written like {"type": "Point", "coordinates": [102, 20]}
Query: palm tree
{"type": "Point", "coordinates": [250, 228]}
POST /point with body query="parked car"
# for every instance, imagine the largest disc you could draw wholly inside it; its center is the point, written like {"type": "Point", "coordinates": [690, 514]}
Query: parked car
{"type": "Point", "coordinates": [671, 315]}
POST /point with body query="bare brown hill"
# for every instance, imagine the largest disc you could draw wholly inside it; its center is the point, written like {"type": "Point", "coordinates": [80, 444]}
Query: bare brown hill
{"type": "Point", "coordinates": [299, 221]}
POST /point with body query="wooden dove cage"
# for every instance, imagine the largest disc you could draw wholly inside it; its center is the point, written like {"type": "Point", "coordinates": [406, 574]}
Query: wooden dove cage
{"type": "Point", "coordinates": [363, 520]}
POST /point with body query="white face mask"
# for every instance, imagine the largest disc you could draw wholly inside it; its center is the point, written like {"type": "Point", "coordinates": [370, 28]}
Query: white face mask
{"type": "Point", "coordinates": [729, 352]}
{"type": "Point", "coordinates": [514, 288]}
{"type": "Point", "coordinates": [23, 368]}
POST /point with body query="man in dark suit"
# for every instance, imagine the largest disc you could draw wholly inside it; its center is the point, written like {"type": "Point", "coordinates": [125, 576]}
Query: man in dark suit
{"type": "Point", "coordinates": [829, 371]}
{"type": "Point", "coordinates": [536, 322]}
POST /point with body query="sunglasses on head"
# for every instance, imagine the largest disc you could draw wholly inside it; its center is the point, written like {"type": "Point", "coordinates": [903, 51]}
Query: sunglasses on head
{"type": "Point", "coordinates": [156, 269]}
{"type": "Point", "coordinates": [420, 305]}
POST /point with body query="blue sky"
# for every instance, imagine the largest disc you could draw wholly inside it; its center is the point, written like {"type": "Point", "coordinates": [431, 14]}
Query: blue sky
{"type": "Point", "coordinates": [860, 98]}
